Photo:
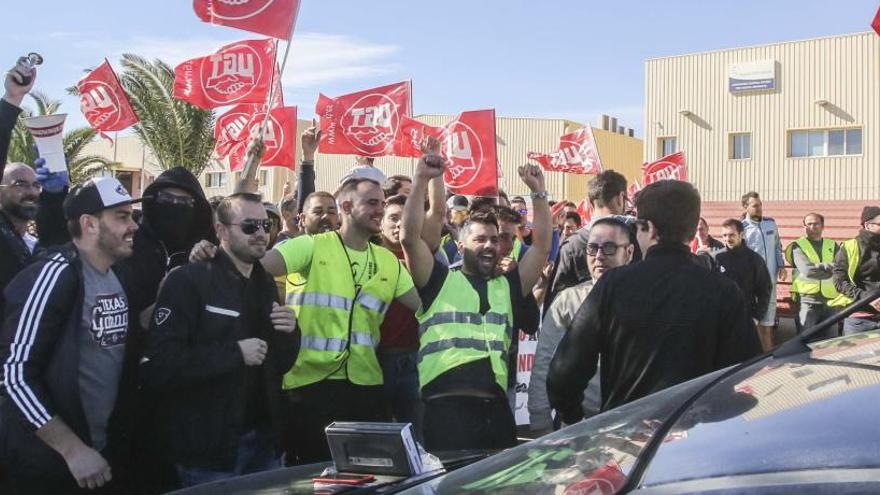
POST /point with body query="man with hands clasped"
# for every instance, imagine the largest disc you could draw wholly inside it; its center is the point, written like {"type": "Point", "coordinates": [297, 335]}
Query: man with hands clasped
{"type": "Point", "coordinates": [218, 345]}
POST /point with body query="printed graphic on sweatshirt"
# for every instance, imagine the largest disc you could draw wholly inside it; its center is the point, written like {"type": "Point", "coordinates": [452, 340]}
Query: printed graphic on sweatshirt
{"type": "Point", "coordinates": [109, 320]}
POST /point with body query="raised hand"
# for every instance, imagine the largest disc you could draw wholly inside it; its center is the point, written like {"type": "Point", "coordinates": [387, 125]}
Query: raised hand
{"type": "Point", "coordinates": [310, 139]}
{"type": "Point", "coordinates": [15, 89]}
{"type": "Point", "coordinates": [431, 164]}
{"type": "Point", "coordinates": [533, 177]}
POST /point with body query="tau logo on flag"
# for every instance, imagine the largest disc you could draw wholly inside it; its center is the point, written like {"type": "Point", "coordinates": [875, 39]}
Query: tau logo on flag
{"type": "Point", "coordinates": [230, 72]}
{"type": "Point", "coordinates": [99, 104]}
{"type": "Point", "coordinates": [371, 123]}
{"type": "Point", "coordinates": [464, 151]}
{"type": "Point", "coordinates": [236, 10]}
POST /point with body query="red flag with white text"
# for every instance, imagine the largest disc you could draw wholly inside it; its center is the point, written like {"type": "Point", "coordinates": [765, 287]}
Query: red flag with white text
{"type": "Point", "coordinates": [670, 167]}
{"type": "Point", "coordinates": [279, 137]}
{"type": "Point", "coordinates": [231, 128]}
{"type": "Point", "coordinates": [274, 18]}
{"type": "Point", "coordinates": [410, 136]}
{"type": "Point", "coordinates": [576, 154]}
{"type": "Point", "coordinates": [468, 143]}
{"type": "Point", "coordinates": [236, 73]}
{"type": "Point", "coordinates": [103, 101]}
{"type": "Point", "coordinates": [365, 123]}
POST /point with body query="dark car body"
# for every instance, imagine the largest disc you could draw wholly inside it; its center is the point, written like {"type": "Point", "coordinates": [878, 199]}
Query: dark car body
{"type": "Point", "coordinates": [805, 422]}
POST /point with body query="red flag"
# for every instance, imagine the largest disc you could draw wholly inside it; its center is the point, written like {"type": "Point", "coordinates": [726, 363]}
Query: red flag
{"type": "Point", "coordinates": [876, 23]}
{"type": "Point", "coordinates": [585, 210]}
{"type": "Point", "coordinates": [363, 123]}
{"type": "Point", "coordinates": [274, 18]}
{"type": "Point", "coordinates": [279, 136]}
{"type": "Point", "coordinates": [104, 102]}
{"type": "Point", "coordinates": [232, 128]}
{"type": "Point", "coordinates": [469, 146]}
{"type": "Point", "coordinates": [669, 167]}
{"type": "Point", "coordinates": [410, 135]}
{"type": "Point", "coordinates": [236, 73]}
{"type": "Point", "coordinates": [576, 154]}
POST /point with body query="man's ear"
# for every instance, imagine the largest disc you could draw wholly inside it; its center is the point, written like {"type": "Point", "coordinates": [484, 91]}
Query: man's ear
{"type": "Point", "coordinates": [652, 231]}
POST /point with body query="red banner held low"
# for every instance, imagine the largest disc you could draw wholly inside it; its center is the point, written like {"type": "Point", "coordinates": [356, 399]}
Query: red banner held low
{"type": "Point", "coordinates": [274, 18]}
{"type": "Point", "coordinates": [365, 123]}
{"type": "Point", "coordinates": [104, 102]}
{"type": "Point", "coordinates": [469, 146]}
{"type": "Point", "coordinates": [237, 73]}
{"type": "Point", "coordinates": [576, 154]}
{"type": "Point", "coordinates": [670, 167]}
{"type": "Point", "coordinates": [279, 137]}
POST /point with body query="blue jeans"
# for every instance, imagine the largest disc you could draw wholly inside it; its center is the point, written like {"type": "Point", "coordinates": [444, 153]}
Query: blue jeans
{"type": "Point", "coordinates": [256, 453]}
{"type": "Point", "coordinates": [401, 387]}
{"type": "Point", "coordinates": [859, 325]}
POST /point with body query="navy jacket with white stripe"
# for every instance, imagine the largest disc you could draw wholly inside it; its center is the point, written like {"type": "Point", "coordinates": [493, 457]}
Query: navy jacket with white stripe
{"type": "Point", "coordinates": [39, 352]}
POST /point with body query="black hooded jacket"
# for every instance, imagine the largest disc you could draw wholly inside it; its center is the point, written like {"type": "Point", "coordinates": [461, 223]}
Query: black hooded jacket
{"type": "Point", "coordinates": [154, 256]}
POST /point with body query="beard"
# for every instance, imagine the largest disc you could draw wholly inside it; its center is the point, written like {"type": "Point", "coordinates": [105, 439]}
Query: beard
{"type": "Point", "coordinates": [21, 211]}
{"type": "Point", "coordinates": [114, 245]}
{"type": "Point", "coordinates": [248, 251]}
{"type": "Point", "coordinates": [478, 262]}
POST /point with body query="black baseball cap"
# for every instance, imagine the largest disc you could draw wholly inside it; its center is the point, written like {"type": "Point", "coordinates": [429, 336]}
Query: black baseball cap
{"type": "Point", "coordinates": [95, 195]}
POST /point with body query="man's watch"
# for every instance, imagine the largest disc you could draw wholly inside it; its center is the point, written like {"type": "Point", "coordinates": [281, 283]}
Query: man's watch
{"type": "Point", "coordinates": [539, 195]}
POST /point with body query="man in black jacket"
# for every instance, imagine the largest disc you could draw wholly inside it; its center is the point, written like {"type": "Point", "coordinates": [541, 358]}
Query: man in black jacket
{"type": "Point", "coordinates": [63, 351]}
{"type": "Point", "coordinates": [745, 267]}
{"type": "Point", "coordinates": [656, 323]}
{"type": "Point", "coordinates": [856, 272]}
{"type": "Point", "coordinates": [218, 345]}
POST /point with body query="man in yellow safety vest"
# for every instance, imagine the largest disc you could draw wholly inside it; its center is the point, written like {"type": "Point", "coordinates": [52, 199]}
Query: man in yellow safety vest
{"type": "Point", "coordinates": [857, 272]}
{"type": "Point", "coordinates": [813, 258]}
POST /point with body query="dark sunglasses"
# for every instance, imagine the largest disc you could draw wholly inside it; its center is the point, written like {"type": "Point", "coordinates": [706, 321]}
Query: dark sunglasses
{"type": "Point", "coordinates": [608, 248]}
{"type": "Point", "coordinates": [167, 198]}
{"type": "Point", "coordinates": [251, 225]}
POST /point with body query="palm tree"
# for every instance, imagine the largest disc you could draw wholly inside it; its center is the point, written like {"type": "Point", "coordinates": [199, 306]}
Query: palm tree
{"type": "Point", "coordinates": [176, 132]}
{"type": "Point", "coordinates": [22, 148]}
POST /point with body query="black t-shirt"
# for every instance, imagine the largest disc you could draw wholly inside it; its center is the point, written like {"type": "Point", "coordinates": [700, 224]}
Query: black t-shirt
{"type": "Point", "coordinates": [476, 375]}
{"type": "Point", "coordinates": [256, 409]}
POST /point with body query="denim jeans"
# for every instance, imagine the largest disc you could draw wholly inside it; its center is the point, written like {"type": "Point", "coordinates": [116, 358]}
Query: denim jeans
{"type": "Point", "coordinates": [401, 387]}
{"type": "Point", "coordinates": [858, 325]}
{"type": "Point", "coordinates": [256, 453]}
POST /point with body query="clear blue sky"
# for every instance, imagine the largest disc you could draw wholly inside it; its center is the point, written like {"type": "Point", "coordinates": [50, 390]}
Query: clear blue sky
{"type": "Point", "coordinates": [565, 58]}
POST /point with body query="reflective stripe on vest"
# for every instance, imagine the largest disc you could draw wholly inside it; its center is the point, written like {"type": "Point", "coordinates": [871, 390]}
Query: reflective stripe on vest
{"type": "Point", "coordinates": [803, 285]}
{"type": "Point", "coordinates": [318, 299]}
{"type": "Point", "coordinates": [337, 345]}
{"type": "Point", "coordinates": [461, 343]}
{"type": "Point", "coordinates": [464, 318]}
{"type": "Point", "coordinates": [853, 253]}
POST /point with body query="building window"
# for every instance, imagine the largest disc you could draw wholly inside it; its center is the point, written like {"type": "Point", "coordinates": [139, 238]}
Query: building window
{"type": "Point", "coordinates": [215, 179]}
{"type": "Point", "coordinates": [740, 146]}
{"type": "Point", "coordinates": [825, 142]}
{"type": "Point", "coordinates": [666, 146]}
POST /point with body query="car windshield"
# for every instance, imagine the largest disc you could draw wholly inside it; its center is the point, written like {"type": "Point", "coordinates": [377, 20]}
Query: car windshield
{"type": "Point", "coordinates": [593, 456]}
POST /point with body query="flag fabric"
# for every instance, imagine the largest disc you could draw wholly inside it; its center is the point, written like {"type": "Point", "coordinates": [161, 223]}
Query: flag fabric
{"type": "Point", "coordinates": [236, 73]}
{"type": "Point", "coordinates": [670, 167]}
{"type": "Point", "coordinates": [576, 154]}
{"type": "Point", "coordinates": [410, 136]}
{"type": "Point", "coordinates": [279, 137]}
{"type": "Point", "coordinates": [231, 128]}
{"type": "Point", "coordinates": [365, 123]}
{"type": "Point", "coordinates": [876, 23]}
{"type": "Point", "coordinates": [104, 102]}
{"type": "Point", "coordinates": [468, 143]}
{"type": "Point", "coordinates": [274, 18]}
{"type": "Point", "coordinates": [585, 210]}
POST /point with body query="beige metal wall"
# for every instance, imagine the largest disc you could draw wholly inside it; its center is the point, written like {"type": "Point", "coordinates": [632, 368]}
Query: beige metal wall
{"type": "Point", "coordinates": [844, 70]}
{"type": "Point", "coordinates": [617, 152]}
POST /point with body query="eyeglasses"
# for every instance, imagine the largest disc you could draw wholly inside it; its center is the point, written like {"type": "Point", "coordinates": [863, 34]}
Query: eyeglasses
{"type": "Point", "coordinates": [250, 225]}
{"type": "Point", "coordinates": [608, 248]}
{"type": "Point", "coordinates": [167, 198]}
{"type": "Point", "coordinates": [23, 184]}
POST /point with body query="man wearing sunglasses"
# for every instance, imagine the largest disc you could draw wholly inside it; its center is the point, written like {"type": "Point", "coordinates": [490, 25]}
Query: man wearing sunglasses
{"type": "Point", "coordinates": [656, 323]}
{"type": "Point", "coordinates": [218, 344]}
{"type": "Point", "coordinates": [608, 246]}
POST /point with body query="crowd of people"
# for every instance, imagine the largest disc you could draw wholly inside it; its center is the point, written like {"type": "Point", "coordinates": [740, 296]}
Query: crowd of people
{"type": "Point", "coordinates": [195, 339]}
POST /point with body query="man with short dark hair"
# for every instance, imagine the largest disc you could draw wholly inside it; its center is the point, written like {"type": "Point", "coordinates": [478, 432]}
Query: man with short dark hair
{"type": "Point", "coordinates": [467, 316]}
{"type": "Point", "coordinates": [218, 345]}
{"type": "Point", "coordinates": [856, 273]}
{"type": "Point", "coordinates": [607, 193]}
{"type": "Point", "coordinates": [656, 323]}
{"type": "Point", "coordinates": [761, 235]}
{"type": "Point", "coordinates": [289, 207]}
{"type": "Point", "coordinates": [570, 224]}
{"type": "Point", "coordinates": [397, 184]}
{"type": "Point", "coordinates": [319, 214]}
{"type": "Point", "coordinates": [744, 267]}
{"type": "Point", "coordinates": [812, 287]}
{"type": "Point", "coordinates": [63, 348]}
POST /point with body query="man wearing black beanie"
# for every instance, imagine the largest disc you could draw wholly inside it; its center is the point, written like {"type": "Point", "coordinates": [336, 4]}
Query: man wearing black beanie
{"type": "Point", "coordinates": [857, 272]}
